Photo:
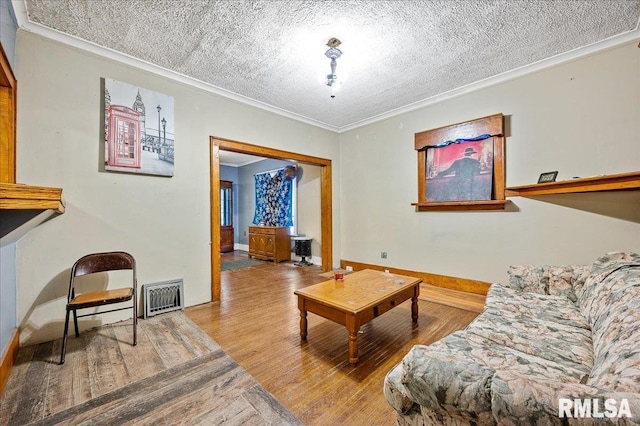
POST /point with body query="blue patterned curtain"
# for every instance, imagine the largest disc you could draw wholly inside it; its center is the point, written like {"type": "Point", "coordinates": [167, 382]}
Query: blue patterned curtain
{"type": "Point", "coordinates": [273, 199]}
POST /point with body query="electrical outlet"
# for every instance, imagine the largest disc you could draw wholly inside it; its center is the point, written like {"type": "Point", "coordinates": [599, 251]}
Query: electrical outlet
{"type": "Point", "coordinates": [383, 254]}
{"type": "Point", "coordinates": [349, 268]}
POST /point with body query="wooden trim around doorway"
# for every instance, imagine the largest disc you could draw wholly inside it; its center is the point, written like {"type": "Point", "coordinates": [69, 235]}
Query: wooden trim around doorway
{"type": "Point", "coordinates": [326, 225]}
{"type": "Point", "coordinates": [9, 358]}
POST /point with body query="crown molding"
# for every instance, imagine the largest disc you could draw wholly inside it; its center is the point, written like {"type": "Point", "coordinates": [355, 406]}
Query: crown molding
{"type": "Point", "coordinates": [553, 61]}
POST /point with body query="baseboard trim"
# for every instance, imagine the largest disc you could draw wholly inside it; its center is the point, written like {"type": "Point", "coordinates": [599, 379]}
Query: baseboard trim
{"type": "Point", "coordinates": [445, 281]}
{"type": "Point", "coordinates": [8, 359]}
{"type": "Point", "coordinates": [243, 247]}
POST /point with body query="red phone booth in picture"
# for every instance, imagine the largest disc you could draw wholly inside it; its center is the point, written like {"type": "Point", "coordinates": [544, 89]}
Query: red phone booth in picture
{"type": "Point", "coordinates": [125, 147]}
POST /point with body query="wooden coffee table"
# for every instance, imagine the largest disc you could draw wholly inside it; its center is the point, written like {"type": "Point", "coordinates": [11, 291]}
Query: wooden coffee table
{"type": "Point", "coordinates": [361, 297]}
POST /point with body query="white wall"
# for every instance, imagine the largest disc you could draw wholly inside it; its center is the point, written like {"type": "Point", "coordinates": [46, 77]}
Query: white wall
{"type": "Point", "coordinates": [8, 28]}
{"type": "Point", "coordinates": [7, 295]}
{"type": "Point", "coordinates": [163, 222]}
{"type": "Point", "coordinates": [581, 118]}
{"type": "Point", "coordinates": [8, 284]}
{"type": "Point", "coordinates": [309, 213]}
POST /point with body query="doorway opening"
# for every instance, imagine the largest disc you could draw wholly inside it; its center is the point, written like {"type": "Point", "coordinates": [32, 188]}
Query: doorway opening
{"type": "Point", "coordinates": [218, 144]}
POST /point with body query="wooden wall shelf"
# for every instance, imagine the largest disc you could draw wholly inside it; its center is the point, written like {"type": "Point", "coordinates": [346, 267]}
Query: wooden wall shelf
{"type": "Point", "coordinates": [461, 205]}
{"type": "Point", "coordinates": [617, 182]}
{"type": "Point", "coordinates": [28, 197]}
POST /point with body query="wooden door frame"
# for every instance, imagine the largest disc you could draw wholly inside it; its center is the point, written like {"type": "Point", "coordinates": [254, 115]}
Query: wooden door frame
{"type": "Point", "coordinates": [326, 226]}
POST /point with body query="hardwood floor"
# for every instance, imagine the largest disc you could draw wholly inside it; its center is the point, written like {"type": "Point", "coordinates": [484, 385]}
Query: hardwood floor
{"type": "Point", "coordinates": [257, 323]}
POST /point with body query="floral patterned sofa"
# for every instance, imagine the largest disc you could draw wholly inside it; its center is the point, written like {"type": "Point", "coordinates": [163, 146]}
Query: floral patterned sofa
{"type": "Point", "coordinates": [553, 332]}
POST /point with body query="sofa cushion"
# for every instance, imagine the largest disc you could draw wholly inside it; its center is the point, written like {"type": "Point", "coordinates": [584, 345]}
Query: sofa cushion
{"type": "Point", "coordinates": [547, 327]}
{"type": "Point", "coordinates": [528, 278]}
{"type": "Point", "coordinates": [564, 345]}
{"type": "Point", "coordinates": [551, 280]}
{"type": "Point", "coordinates": [567, 280]}
{"type": "Point", "coordinates": [595, 289]}
{"type": "Point", "coordinates": [521, 306]}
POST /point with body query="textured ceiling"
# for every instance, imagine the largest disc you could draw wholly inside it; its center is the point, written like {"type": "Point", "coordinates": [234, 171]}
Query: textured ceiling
{"type": "Point", "coordinates": [395, 53]}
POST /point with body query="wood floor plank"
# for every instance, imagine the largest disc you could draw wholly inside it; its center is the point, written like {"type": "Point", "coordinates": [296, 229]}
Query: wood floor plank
{"type": "Point", "coordinates": [64, 380]}
{"type": "Point", "coordinates": [270, 410]}
{"type": "Point", "coordinates": [140, 361]}
{"type": "Point", "coordinates": [107, 371]}
{"type": "Point", "coordinates": [192, 336]}
{"type": "Point", "coordinates": [171, 351]}
{"type": "Point", "coordinates": [237, 412]}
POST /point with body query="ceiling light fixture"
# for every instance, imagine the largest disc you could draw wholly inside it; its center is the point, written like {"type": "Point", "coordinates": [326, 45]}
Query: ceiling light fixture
{"type": "Point", "coordinates": [333, 53]}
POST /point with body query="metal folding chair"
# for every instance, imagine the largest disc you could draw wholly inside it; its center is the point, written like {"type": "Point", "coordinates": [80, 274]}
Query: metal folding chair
{"type": "Point", "coordinates": [91, 264]}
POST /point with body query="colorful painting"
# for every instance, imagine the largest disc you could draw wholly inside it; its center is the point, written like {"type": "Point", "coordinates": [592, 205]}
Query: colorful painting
{"type": "Point", "coordinates": [139, 130]}
{"type": "Point", "coordinates": [460, 171]}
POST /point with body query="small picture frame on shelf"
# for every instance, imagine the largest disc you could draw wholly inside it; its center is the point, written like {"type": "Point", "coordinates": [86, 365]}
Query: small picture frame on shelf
{"type": "Point", "coordinates": [548, 177]}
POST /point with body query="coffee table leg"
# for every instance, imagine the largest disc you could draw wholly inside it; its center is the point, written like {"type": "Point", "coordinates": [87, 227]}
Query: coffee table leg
{"type": "Point", "coordinates": [303, 319]}
{"type": "Point", "coordinates": [353, 347]}
{"type": "Point", "coordinates": [353, 328]}
{"type": "Point", "coordinates": [414, 303]}
{"type": "Point", "coordinates": [303, 325]}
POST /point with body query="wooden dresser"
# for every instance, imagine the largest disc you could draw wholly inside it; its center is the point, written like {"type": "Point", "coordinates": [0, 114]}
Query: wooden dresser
{"type": "Point", "coordinates": [270, 243]}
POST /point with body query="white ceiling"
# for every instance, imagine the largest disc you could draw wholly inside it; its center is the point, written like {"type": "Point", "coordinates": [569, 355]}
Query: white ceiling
{"type": "Point", "coordinates": [397, 55]}
{"type": "Point", "coordinates": [237, 159]}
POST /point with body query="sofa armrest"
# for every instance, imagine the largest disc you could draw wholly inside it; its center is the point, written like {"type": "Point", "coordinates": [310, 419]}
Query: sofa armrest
{"type": "Point", "coordinates": [564, 281]}
{"type": "Point", "coordinates": [445, 376]}
{"type": "Point", "coordinates": [395, 392]}
{"type": "Point", "coordinates": [518, 399]}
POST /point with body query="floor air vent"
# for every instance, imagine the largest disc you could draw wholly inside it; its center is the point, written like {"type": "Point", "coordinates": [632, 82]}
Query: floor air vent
{"type": "Point", "coordinates": [163, 297]}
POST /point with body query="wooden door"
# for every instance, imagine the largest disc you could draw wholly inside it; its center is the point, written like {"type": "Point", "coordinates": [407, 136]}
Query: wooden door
{"type": "Point", "coordinates": [226, 216]}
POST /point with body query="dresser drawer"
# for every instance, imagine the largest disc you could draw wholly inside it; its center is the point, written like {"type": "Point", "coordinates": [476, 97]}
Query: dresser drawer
{"type": "Point", "coordinates": [261, 230]}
